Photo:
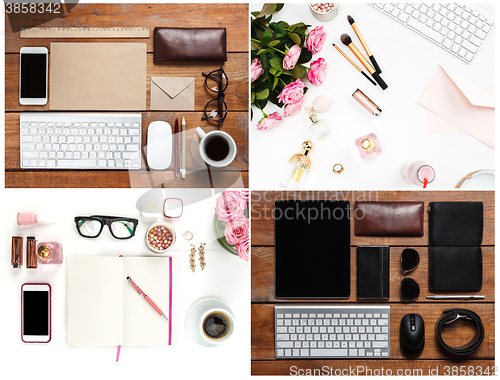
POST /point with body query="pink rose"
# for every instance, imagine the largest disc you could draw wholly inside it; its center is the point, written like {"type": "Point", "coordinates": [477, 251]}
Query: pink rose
{"type": "Point", "coordinates": [245, 194]}
{"type": "Point", "coordinates": [256, 70]}
{"type": "Point", "coordinates": [292, 109]}
{"type": "Point", "coordinates": [291, 57]}
{"type": "Point", "coordinates": [292, 93]}
{"type": "Point", "coordinates": [230, 206]}
{"type": "Point", "coordinates": [243, 249]}
{"type": "Point", "coordinates": [237, 230]}
{"type": "Point", "coordinates": [315, 39]}
{"type": "Point", "coordinates": [317, 73]}
{"type": "Point", "coordinates": [269, 121]}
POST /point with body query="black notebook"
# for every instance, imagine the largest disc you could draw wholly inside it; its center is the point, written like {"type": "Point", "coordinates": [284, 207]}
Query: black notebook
{"type": "Point", "coordinates": [312, 249]}
{"type": "Point", "coordinates": [372, 273]}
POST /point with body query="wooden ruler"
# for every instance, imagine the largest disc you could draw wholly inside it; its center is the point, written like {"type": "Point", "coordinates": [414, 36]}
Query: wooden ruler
{"type": "Point", "coordinates": [66, 32]}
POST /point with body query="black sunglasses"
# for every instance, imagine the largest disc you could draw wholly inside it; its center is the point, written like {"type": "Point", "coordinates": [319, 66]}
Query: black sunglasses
{"type": "Point", "coordinates": [410, 290]}
{"type": "Point", "coordinates": [216, 109]}
{"type": "Point", "coordinates": [119, 227]}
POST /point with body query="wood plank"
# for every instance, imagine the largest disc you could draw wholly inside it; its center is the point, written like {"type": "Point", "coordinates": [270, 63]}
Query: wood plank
{"type": "Point", "coordinates": [456, 334]}
{"type": "Point", "coordinates": [236, 95]}
{"type": "Point", "coordinates": [236, 125]}
{"type": "Point", "coordinates": [263, 276]}
{"type": "Point", "coordinates": [263, 203]}
{"type": "Point", "coordinates": [232, 16]}
{"type": "Point", "coordinates": [374, 367]}
{"type": "Point", "coordinates": [114, 179]}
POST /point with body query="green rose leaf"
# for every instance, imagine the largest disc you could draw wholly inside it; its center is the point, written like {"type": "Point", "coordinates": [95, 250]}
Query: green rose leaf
{"type": "Point", "coordinates": [305, 55]}
{"type": "Point", "coordinates": [253, 97]}
{"type": "Point", "coordinates": [277, 28]}
{"type": "Point", "coordinates": [279, 6]}
{"type": "Point", "coordinates": [262, 95]}
{"type": "Point", "coordinates": [276, 80]}
{"type": "Point", "coordinates": [264, 61]}
{"type": "Point", "coordinates": [254, 46]}
{"type": "Point", "coordinates": [295, 38]}
{"type": "Point", "coordinates": [275, 42]}
{"type": "Point", "coordinates": [299, 72]}
{"type": "Point", "coordinates": [267, 10]}
{"type": "Point", "coordinates": [266, 38]}
{"type": "Point", "coordinates": [276, 63]}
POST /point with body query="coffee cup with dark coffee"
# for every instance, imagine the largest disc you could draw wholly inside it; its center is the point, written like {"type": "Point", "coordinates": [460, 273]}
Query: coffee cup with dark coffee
{"type": "Point", "coordinates": [216, 325]}
{"type": "Point", "coordinates": [217, 148]}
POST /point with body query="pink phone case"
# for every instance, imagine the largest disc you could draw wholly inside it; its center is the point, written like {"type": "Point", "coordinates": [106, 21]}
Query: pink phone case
{"type": "Point", "coordinates": [50, 312]}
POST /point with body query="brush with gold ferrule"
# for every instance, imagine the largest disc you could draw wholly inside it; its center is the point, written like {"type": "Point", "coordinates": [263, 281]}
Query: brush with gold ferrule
{"type": "Point", "coordinates": [365, 45]}
{"type": "Point", "coordinates": [346, 40]}
{"type": "Point", "coordinates": [356, 66]}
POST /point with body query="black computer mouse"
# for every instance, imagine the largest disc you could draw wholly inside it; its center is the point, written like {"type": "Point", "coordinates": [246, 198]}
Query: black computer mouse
{"type": "Point", "coordinates": [412, 333]}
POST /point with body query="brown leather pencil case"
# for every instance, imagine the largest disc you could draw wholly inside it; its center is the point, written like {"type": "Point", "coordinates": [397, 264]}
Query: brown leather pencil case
{"type": "Point", "coordinates": [190, 44]}
{"type": "Point", "coordinates": [389, 219]}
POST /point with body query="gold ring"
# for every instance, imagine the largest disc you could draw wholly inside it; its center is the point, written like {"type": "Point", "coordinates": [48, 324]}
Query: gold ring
{"type": "Point", "coordinates": [338, 168]}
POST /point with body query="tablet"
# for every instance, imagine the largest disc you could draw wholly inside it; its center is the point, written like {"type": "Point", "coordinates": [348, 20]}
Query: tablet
{"type": "Point", "coordinates": [312, 249]}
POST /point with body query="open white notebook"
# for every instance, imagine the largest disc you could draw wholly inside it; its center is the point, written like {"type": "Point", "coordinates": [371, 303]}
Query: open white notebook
{"type": "Point", "coordinates": [104, 310]}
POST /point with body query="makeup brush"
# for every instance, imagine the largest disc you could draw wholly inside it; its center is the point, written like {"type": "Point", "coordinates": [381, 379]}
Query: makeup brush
{"type": "Point", "coordinates": [356, 66]}
{"type": "Point", "coordinates": [346, 40]}
{"type": "Point", "coordinates": [365, 45]}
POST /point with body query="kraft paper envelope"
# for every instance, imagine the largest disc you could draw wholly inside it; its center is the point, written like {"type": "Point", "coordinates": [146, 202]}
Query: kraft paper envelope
{"type": "Point", "coordinates": [462, 104]}
{"type": "Point", "coordinates": [98, 76]}
{"type": "Point", "coordinates": [172, 93]}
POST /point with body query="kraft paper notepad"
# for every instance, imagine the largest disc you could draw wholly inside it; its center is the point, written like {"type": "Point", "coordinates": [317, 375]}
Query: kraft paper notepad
{"type": "Point", "coordinates": [104, 310]}
{"type": "Point", "coordinates": [98, 76]}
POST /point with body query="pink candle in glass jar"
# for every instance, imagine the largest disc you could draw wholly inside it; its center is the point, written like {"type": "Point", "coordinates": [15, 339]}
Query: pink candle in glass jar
{"type": "Point", "coordinates": [417, 172]}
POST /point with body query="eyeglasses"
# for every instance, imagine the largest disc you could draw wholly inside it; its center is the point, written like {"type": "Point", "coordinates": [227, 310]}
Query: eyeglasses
{"type": "Point", "coordinates": [172, 208]}
{"type": "Point", "coordinates": [119, 227]}
{"type": "Point", "coordinates": [216, 81]}
{"type": "Point", "coordinates": [410, 290]}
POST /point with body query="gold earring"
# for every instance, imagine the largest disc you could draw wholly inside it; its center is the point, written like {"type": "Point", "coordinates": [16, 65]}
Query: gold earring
{"type": "Point", "coordinates": [192, 258]}
{"type": "Point", "coordinates": [202, 256]}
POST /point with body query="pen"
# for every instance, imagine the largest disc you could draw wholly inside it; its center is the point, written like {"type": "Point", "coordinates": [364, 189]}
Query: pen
{"type": "Point", "coordinates": [158, 310]}
{"type": "Point", "coordinates": [458, 297]}
{"type": "Point", "coordinates": [183, 148]}
{"type": "Point", "coordinates": [176, 148]}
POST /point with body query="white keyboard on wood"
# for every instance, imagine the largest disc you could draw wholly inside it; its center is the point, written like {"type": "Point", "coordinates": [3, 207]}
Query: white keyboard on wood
{"type": "Point", "coordinates": [53, 140]}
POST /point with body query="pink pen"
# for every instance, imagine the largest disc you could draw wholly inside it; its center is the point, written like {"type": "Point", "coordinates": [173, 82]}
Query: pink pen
{"type": "Point", "coordinates": [158, 310]}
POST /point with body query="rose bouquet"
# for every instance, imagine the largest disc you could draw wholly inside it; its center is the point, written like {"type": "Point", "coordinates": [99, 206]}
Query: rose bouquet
{"type": "Point", "coordinates": [279, 56]}
{"type": "Point", "coordinates": [231, 222]}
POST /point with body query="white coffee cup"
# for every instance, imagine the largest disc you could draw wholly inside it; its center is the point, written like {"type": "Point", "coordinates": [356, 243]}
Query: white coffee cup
{"type": "Point", "coordinates": [212, 334]}
{"type": "Point", "coordinates": [206, 138]}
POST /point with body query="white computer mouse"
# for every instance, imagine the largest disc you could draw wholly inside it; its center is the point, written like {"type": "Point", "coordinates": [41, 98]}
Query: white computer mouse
{"type": "Point", "coordinates": [159, 145]}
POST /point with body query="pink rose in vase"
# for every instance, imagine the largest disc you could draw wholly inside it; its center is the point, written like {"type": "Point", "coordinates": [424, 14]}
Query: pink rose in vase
{"type": "Point", "coordinates": [317, 73]}
{"type": "Point", "coordinates": [243, 249]}
{"type": "Point", "coordinates": [291, 57]}
{"type": "Point", "coordinates": [237, 230]}
{"type": "Point", "coordinates": [230, 206]}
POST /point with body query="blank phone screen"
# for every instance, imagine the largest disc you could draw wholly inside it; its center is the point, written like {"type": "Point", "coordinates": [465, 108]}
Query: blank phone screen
{"type": "Point", "coordinates": [35, 313]}
{"type": "Point", "coordinates": [33, 75]}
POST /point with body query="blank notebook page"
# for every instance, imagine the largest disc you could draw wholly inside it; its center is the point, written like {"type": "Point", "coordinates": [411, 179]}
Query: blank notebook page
{"type": "Point", "coordinates": [94, 291]}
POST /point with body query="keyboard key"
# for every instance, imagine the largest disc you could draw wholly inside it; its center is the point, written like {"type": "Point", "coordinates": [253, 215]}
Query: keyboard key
{"type": "Point", "coordinates": [328, 352]}
{"type": "Point", "coordinates": [436, 36]}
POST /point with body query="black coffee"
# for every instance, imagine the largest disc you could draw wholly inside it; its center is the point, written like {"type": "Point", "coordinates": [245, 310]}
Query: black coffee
{"type": "Point", "coordinates": [217, 148]}
{"type": "Point", "coordinates": [216, 325]}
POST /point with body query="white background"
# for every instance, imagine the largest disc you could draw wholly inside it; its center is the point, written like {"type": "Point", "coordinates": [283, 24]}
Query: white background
{"type": "Point", "coordinates": [226, 277]}
{"type": "Point", "coordinates": [407, 61]}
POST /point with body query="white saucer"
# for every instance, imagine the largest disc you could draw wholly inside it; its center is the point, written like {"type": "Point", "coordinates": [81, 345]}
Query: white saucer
{"type": "Point", "coordinates": [194, 314]}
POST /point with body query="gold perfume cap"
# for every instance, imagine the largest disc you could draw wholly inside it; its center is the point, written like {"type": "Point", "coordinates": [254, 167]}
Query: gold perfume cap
{"type": "Point", "coordinates": [306, 147]}
{"type": "Point", "coordinates": [44, 252]}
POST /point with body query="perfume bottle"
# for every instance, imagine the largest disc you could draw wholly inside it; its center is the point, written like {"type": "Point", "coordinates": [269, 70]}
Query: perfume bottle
{"type": "Point", "coordinates": [318, 126]}
{"type": "Point", "coordinates": [297, 168]}
{"type": "Point", "coordinates": [418, 173]}
{"type": "Point", "coordinates": [368, 146]}
{"type": "Point", "coordinates": [50, 253]}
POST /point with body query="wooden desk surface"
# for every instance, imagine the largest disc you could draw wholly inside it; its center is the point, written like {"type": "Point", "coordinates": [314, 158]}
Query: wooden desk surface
{"type": "Point", "coordinates": [433, 356]}
{"type": "Point", "coordinates": [234, 17]}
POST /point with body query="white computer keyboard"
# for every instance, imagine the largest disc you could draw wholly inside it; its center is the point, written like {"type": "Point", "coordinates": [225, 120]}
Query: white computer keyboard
{"type": "Point", "coordinates": [80, 140]}
{"type": "Point", "coordinates": [457, 28]}
{"type": "Point", "coordinates": [332, 331]}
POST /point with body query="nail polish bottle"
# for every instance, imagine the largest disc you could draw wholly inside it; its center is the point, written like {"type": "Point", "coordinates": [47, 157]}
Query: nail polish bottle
{"type": "Point", "coordinates": [31, 261]}
{"type": "Point", "coordinates": [368, 146]}
{"type": "Point", "coordinates": [50, 253]}
{"type": "Point", "coordinates": [318, 126]}
{"type": "Point", "coordinates": [297, 168]}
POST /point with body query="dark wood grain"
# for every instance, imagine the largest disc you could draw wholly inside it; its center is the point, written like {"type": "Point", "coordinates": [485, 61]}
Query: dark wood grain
{"type": "Point", "coordinates": [263, 204]}
{"type": "Point", "coordinates": [236, 95]}
{"type": "Point", "coordinates": [263, 276]}
{"type": "Point", "coordinates": [232, 16]}
{"type": "Point", "coordinates": [263, 331]}
{"type": "Point", "coordinates": [433, 356]}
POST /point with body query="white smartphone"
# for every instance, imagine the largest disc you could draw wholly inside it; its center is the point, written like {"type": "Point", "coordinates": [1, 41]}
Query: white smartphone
{"type": "Point", "coordinates": [33, 75]}
{"type": "Point", "coordinates": [36, 313]}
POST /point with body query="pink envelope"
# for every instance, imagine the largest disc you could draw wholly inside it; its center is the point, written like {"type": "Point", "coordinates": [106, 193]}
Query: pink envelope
{"type": "Point", "coordinates": [462, 104]}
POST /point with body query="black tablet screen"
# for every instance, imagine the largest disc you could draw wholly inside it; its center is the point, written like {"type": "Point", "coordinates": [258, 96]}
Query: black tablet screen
{"type": "Point", "coordinates": [312, 249]}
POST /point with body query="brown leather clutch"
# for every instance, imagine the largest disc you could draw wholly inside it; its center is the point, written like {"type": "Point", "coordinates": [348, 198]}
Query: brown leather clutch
{"type": "Point", "coordinates": [389, 219]}
{"type": "Point", "coordinates": [190, 44]}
